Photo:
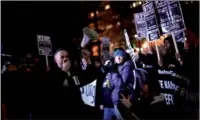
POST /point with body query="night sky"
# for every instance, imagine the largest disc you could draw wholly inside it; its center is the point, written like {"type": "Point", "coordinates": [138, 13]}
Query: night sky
{"type": "Point", "coordinates": [22, 21]}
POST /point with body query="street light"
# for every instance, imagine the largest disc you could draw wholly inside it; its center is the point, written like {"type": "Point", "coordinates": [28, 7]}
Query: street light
{"type": "Point", "coordinates": [92, 14]}
{"type": "Point", "coordinates": [145, 45]}
{"type": "Point", "coordinates": [107, 7]}
{"type": "Point", "coordinates": [134, 4]}
{"type": "Point", "coordinates": [97, 12]}
{"type": "Point", "coordinates": [135, 35]}
{"type": "Point", "coordinates": [118, 23]}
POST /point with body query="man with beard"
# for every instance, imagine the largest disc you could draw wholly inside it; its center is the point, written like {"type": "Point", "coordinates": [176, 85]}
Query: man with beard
{"type": "Point", "coordinates": [61, 98]}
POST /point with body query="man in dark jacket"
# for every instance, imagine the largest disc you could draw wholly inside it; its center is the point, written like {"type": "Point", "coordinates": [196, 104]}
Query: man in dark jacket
{"type": "Point", "coordinates": [61, 95]}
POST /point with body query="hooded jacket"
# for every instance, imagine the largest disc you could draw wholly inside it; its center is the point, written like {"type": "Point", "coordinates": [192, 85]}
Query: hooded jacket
{"type": "Point", "coordinates": [125, 71]}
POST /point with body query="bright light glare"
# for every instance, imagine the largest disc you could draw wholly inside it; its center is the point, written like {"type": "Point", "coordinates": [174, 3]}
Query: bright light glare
{"type": "Point", "coordinates": [97, 12]}
{"type": "Point", "coordinates": [140, 3]}
{"type": "Point", "coordinates": [134, 4]}
{"type": "Point", "coordinates": [118, 23]}
{"type": "Point", "coordinates": [107, 7]}
{"type": "Point", "coordinates": [92, 14]}
{"type": "Point", "coordinates": [145, 45]}
{"type": "Point", "coordinates": [135, 35]}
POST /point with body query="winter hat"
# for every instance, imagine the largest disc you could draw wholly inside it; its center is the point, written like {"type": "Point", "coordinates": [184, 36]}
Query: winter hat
{"type": "Point", "coordinates": [120, 53]}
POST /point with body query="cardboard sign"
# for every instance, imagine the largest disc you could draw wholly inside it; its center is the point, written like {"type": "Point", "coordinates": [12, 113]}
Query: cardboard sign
{"type": "Point", "coordinates": [44, 45]}
{"type": "Point", "coordinates": [153, 32]}
{"type": "Point", "coordinates": [88, 93]}
{"type": "Point", "coordinates": [140, 24]}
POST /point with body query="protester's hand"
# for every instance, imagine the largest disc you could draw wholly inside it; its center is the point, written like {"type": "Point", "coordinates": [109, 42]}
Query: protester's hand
{"type": "Point", "coordinates": [171, 65]}
{"type": "Point", "coordinates": [66, 66]}
{"type": "Point", "coordinates": [126, 101]}
{"type": "Point", "coordinates": [101, 107]}
{"type": "Point", "coordinates": [107, 62]}
{"type": "Point", "coordinates": [86, 54]}
{"type": "Point", "coordinates": [178, 58]}
{"type": "Point", "coordinates": [160, 63]}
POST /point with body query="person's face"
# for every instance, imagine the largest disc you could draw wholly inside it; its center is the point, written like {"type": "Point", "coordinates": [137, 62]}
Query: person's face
{"type": "Point", "coordinates": [61, 57]}
{"type": "Point", "coordinates": [145, 91]}
{"type": "Point", "coordinates": [119, 59]}
{"type": "Point", "coordinates": [167, 45]}
{"type": "Point", "coordinates": [97, 64]}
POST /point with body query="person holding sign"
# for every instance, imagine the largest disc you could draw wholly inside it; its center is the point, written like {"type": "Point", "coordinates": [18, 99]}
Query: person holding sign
{"type": "Point", "coordinates": [171, 59]}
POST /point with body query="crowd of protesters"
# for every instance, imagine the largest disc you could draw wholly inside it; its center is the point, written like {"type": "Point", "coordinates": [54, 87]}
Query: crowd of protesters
{"type": "Point", "coordinates": [124, 90]}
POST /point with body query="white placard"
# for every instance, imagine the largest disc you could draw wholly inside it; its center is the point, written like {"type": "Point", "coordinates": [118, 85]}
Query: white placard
{"type": "Point", "coordinates": [88, 93]}
{"type": "Point", "coordinates": [44, 45]}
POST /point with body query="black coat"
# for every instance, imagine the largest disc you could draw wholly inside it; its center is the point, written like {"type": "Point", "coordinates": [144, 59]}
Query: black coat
{"type": "Point", "coordinates": [60, 100]}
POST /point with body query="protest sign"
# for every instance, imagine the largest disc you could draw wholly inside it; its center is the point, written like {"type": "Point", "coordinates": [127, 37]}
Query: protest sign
{"type": "Point", "coordinates": [105, 48]}
{"type": "Point", "coordinates": [153, 32]}
{"type": "Point", "coordinates": [140, 24]}
{"type": "Point", "coordinates": [176, 16]}
{"type": "Point", "coordinates": [88, 93]}
{"type": "Point", "coordinates": [164, 16]}
{"type": "Point", "coordinates": [44, 47]}
{"type": "Point", "coordinates": [151, 21]}
{"type": "Point", "coordinates": [179, 36]}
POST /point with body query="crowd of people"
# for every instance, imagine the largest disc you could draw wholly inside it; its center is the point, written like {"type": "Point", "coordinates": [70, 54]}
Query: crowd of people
{"type": "Point", "coordinates": [149, 89]}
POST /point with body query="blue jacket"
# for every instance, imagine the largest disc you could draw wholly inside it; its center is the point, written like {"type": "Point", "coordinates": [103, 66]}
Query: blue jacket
{"type": "Point", "coordinates": [111, 87]}
{"type": "Point", "coordinates": [125, 71]}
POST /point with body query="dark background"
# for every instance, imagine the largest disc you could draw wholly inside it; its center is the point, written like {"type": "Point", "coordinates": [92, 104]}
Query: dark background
{"type": "Point", "coordinates": [22, 21]}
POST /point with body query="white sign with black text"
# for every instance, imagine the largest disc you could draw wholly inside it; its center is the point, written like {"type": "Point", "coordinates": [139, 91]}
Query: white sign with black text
{"type": "Point", "coordinates": [88, 93]}
{"type": "Point", "coordinates": [153, 32]}
{"type": "Point", "coordinates": [44, 45]}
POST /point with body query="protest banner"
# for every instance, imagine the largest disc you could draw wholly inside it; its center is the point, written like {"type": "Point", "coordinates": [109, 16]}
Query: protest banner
{"type": "Point", "coordinates": [44, 47]}
{"type": "Point", "coordinates": [88, 93]}
{"type": "Point", "coordinates": [170, 82]}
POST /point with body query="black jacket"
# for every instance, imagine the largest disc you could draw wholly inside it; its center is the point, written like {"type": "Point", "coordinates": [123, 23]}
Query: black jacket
{"type": "Point", "coordinates": [60, 96]}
